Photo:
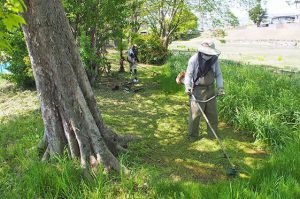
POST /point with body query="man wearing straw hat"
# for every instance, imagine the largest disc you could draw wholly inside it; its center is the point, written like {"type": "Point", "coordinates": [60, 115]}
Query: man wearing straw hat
{"type": "Point", "coordinates": [203, 68]}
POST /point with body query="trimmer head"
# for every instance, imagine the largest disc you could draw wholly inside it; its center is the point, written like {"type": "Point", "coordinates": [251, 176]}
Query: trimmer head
{"type": "Point", "coordinates": [232, 171]}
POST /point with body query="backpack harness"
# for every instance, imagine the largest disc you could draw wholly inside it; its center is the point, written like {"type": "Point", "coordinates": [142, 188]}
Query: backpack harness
{"type": "Point", "coordinates": [204, 66]}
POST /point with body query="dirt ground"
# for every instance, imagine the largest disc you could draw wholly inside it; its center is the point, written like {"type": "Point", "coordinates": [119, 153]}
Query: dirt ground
{"type": "Point", "coordinates": [279, 47]}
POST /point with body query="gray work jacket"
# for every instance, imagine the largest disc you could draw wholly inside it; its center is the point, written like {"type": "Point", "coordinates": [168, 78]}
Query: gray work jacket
{"type": "Point", "coordinates": [192, 70]}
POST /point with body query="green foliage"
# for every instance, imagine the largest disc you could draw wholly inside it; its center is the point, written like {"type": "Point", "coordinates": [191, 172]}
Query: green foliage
{"type": "Point", "coordinates": [222, 41]}
{"type": "Point", "coordinates": [12, 43]}
{"type": "Point", "coordinates": [151, 50]}
{"type": "Point", "coordinates": [217, 13]}
{"type": "Point", "coordinates": [257, 13]}
{"type": "Point", "coordinates": [247, 4]}
{"type": "Point", "coordinates": [261, 58]}
{"type": "Point", "coordinates": [166, 17]}
{"type": "Point", "coordinates": [9, 19]}
{"type": "Point", "coordinates": [19, 63]}
{"type": "Point", "coordinates": [232, 20]}
{"type": "Point", "coordinates": [12, 20]}
{"type": "Point", "coordinates": [93, 62]}
{"type": "Point", "coordinates": [219, 33]}
{"type": "Point", "coordinates": [94, 24]}
{"type": "Point", "coordinates": [187, 27]}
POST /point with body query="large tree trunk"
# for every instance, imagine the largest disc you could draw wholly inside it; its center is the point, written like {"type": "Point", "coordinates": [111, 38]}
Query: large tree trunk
{"type": "Point", "coordinates": [71, 118]}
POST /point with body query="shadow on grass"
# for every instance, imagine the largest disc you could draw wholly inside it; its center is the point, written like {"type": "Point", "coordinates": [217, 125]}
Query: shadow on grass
{"type": "Point", "coordinates": [161, 120]}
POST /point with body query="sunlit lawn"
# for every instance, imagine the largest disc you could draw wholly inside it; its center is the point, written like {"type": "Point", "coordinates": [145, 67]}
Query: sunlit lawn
{"type": "Point", "coordinates": [162, 152]}
{"type": "Point", "coordinates": [158, 118]}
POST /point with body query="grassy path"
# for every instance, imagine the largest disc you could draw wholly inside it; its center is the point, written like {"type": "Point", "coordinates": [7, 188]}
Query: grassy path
{"type": "Point", "coordinates": [158, 118]}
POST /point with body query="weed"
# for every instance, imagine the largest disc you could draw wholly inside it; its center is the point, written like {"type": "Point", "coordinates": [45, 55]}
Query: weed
{"type": "Point", "coordinates": [261, 59]}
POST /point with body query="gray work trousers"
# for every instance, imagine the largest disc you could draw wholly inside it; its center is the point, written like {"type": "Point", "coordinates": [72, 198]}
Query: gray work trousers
{"type": "Point", "coordinates": [209, 108]}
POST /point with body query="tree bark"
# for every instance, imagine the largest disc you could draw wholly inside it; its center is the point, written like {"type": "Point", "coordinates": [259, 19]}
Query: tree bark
{"type": "Point", "coordinates": [71, 118]}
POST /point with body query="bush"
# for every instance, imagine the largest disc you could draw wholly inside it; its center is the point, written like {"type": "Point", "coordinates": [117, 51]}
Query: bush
{"type": "Point", "coordinates": [219, 33]}
{"type": "Point", "coordinates": [19, 63]}
{"type": "Point", "coordinates": [223, 41]}
{"type": "Point", "coordinates": [151, 50]}
{"type": "Point", "coordinates": [94, 62]}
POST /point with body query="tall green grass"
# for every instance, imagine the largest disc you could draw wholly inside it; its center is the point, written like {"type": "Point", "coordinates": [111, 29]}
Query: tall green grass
{"type": "Point", "coordinates": [169, 72]}
{"type": "Point", "coordinates": [257, 100]}
{"type": "Point", "coordinates": [261, 102]}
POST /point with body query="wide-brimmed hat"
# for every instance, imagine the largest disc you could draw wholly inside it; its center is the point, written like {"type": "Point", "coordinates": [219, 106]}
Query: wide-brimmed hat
{"type": "Point", "coordinates": [208, 47]}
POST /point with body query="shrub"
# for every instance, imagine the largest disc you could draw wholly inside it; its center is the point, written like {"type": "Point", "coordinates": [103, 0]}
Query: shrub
{"type": "Point", "coordinates": [261, 59]}
{"type": "Point", "coordinates": [95, 62]}
{"type": "Point", "coordinates": [219, 33]}
{"type": "Point", "coordinates": [151, 50]}
{"type": "Point", "coordinates": [19, 63]}
{"type": "Point", "coordinates": [223, 41]}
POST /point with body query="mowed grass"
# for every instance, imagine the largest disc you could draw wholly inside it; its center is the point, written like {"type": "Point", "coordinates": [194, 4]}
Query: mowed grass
{"type": "Point", "coordinates": [160, 119]}
{"type": "Point", "coordinates": [163, 162]}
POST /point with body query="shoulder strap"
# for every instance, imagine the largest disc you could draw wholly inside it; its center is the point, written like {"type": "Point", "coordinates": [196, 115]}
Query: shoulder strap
{"type": "Point", "coordinates": [200, 62]}
{"type": "Point", "coordinates": [203, 70]}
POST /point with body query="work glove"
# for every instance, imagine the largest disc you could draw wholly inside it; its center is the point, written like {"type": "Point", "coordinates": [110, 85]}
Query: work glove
{"type": "Point", "coordinates": [188, 91]}
{"type": "Point", "coordinates": [221, 91]}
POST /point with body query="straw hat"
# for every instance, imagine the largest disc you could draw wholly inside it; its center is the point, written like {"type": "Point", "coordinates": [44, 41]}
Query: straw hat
{"type": "Point", "coordinates": [208, 47]}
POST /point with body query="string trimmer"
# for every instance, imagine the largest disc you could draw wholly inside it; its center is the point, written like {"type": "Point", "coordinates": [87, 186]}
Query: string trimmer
{"type": "Point", "coordinates": [231, 171]}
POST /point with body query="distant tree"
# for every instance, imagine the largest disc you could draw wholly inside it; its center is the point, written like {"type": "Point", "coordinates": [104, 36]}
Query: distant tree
{"type": "Point", "coordinates": [216, 13]}
{"type": "Point", "coordinates": [189, 23]}
{"type": "Point", "coordinates": [232, 19]}
{"type": "Point", "coordinates": [136, 15]}
{"type": "Point", "coordinates": [94, 23]}
{"type": "Point", "coordinates": [257, 13]}
{"type": "Point", "coordinates": [247, 4]}
{"type": "Point", "coordinates": [164, 17]}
